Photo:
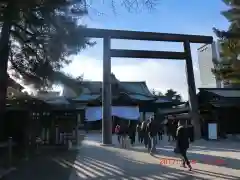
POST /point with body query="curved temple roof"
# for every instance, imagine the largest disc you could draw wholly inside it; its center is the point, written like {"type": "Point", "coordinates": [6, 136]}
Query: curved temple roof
{"type": "Point", "coordinates": [135, 90]}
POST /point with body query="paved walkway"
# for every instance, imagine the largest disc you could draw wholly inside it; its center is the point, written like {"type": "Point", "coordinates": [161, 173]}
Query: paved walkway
{"type": "Point", "coordinates": [213, 160]}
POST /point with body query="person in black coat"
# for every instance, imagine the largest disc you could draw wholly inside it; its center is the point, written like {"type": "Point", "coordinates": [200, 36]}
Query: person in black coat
{"type": "Point", "coordinates": [152, 129]}
{"type": "Point", "coordinates": [169, 129]}
{"type": "Point", "coordinates": [139, 133]}
{"type": "Point", "coordinates": [144, 133]}
{"type": "Point", "coordinates": [123, 133]}
{"type": "Point", "coordinates": [132, 132]}
{"type": "Point", "coordinates": [183, 143]}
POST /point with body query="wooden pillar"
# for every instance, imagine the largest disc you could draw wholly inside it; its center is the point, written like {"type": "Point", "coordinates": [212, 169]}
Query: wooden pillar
{"type": "Point", "coordinates": [106, 93]}
{"type": "Point", "coordinates": [193, 101]}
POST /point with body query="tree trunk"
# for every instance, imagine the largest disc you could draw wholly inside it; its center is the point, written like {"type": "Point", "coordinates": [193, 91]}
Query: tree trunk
{"type": "Point", "coordinates": [4, 53]}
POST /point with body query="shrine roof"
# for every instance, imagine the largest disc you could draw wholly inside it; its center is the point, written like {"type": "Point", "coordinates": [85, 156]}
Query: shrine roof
{"type": "Point", "coordinates": [95, 87]}
{"type": "Point", "coordinates": [141, 97]}
{"type": "Point", "coordinates": [136, 90]}
{"type": "Point", "coordinates": [223, 92]}
{"type": "Point", "coordinates": [12, 83]}
{"type": "Point", "coordinates": [162, 100]}
{"type": "Point", "coordinates": [174, 111]}
{"type": "Point", "coordinates": [86, 97]}
{"type": "Point", "coordinates": [60, 100]}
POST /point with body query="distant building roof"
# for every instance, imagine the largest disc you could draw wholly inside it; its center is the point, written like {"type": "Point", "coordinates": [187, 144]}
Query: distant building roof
{"type": "Point", "coordinates": [174, 111]}
{"type": "Point", "coordinates": [163, 100]}
{"type": "Point", "coordinates": [219, 97]}
{"type": "Point", "coordinates": [47, 95]}
{"type": "Point", "coordinates": [223, 92]}
{"type": "Point", "coordinates": [86, 97]}
{"type": "Point", "coordinates": [60, 100]}
{"type": "Point", "coordinates": [12, 83]}
{"type": "Point", "coordinates": [135, 90]}
{"type": "Point", "coordinates": [95, 87]}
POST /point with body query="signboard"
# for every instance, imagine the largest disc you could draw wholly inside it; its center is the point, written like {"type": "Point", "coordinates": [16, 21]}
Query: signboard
{"type": "Point", "coordinates": [212, 131]}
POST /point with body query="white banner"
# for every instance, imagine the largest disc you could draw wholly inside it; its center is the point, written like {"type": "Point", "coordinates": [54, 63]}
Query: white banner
{"type": "Point", "coordinates": [126, 112]}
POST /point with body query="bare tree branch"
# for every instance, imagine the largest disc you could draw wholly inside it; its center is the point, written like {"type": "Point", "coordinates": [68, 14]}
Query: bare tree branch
{"type": "Point", "coordinates": [130, 5]}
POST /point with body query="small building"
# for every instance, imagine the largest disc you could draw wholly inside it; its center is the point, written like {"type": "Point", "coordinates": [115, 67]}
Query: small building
{"type": "Point", "coordinates": [220, 106]}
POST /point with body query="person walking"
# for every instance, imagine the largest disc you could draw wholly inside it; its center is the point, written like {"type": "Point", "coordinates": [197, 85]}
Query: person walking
{"type": "Point", "coordinates": [152, 129]}
{"type": "Point", "coordinates": [191, 131]}
{"type": "Point", "coordinates": [123, 133]}
{"type": "Point", "coordinates": [174, 129]}
{"type": "Point", "coordinates": [160, 132]}
{"type": "Point", "coordinates": [144, 133]}
{"type": "Point", "coordinates": [169, 129]}
{"type": "Point", "coordinates": [117, 132]}
{"type": "Point", "coordinates": [138, 129]}
{"type": "Point", "coordinates": [182, 143]}
{"type": "Point", "coordinates": [132, 132]}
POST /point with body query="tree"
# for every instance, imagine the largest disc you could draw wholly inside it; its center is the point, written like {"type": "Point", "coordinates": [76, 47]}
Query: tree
{"type": "Point", "coordinates": [232, 15]}
{"type": "Point", "coordinates": [36, 37]}
{"type": "Point", "coordinates": [130, 5]}
{"type": "Point", "coordinates": [228, 69]}
{"type": "Point", "coordinates": [173, 95]}
{"type": "Point", "coordinates": [156, 93]}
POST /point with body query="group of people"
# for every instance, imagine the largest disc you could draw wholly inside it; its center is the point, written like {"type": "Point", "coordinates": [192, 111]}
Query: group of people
{"type": "Point", "coordinates": [150, 131]}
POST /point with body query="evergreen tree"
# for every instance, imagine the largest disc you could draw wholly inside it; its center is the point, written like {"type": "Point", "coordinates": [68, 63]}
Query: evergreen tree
{"type": "Point", "coordinates": [37, 37]}
{"type": "Point", "coordinates": [228, 69]}
{"type": "Point", "coordinates": [233, 16]}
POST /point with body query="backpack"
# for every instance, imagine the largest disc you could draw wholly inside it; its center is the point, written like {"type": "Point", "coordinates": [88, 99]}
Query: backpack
{"type": "Point", "coordinates": [117, 129]}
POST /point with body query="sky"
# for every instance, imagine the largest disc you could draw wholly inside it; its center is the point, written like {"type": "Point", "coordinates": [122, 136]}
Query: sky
{"type": "Point", "coordinates": [169, 16]}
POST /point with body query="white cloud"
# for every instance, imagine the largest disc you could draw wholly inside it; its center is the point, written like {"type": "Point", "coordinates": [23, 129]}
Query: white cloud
{"type": "Point", "coordinates": [159, 74]}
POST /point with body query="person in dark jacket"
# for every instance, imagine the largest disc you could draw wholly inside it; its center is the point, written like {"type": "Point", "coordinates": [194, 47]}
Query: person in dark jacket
{"type": "Point", "coordinates": [174, 129]}
{"type": "Point", "coordinates": [160, 132]}
{"type": "Point", "coordinates": [169, 129]}
{"type": "Point", "coordinates": [191, 132]}
{"type": "Point", "coordinates": [123, 133]}
{"type": "Point", "coordinates": [117, 132]}
{"type": "Point", "coordinates": [132, 132]}
{"type": "Point", "coordinates": [152, 129]}
{"type": "Point", "coordinates": [144, 133]}
{"type": "Point", "coordinates": [183, 143]}
{"type": "Point", "coordinates": [138, 129]}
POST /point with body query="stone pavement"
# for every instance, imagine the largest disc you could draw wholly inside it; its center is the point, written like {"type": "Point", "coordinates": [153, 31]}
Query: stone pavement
{"type": "Point", "coordinates": [94, 161]}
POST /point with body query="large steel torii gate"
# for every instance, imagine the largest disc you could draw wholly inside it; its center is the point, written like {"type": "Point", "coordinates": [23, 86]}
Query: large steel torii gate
{"type": "Point", "coordinates": [107, 35]}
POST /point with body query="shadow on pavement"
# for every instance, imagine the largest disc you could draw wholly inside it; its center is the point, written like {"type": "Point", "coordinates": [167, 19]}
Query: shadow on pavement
{"type": "Point", "coordinates": [44, 167]}
{"type": "Point", "coordinates": [167, 150]}
{"type": "Point", "coordinates": [96, 162]}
